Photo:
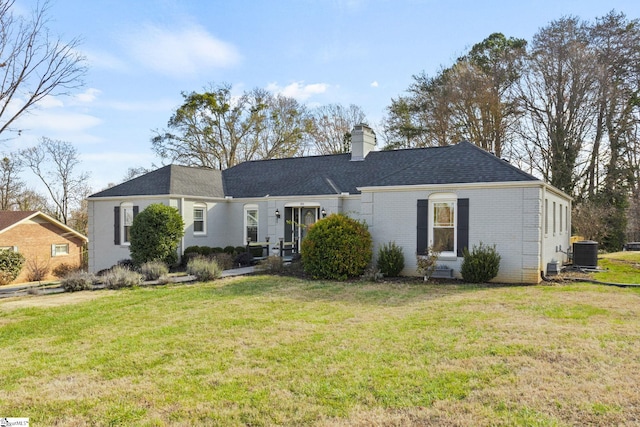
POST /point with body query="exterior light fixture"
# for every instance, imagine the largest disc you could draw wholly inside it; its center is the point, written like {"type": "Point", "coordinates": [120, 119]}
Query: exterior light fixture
{"type": "Point", "coordinates": [277, 214]}
{"type": "Point", "coordinates": [324, 213]}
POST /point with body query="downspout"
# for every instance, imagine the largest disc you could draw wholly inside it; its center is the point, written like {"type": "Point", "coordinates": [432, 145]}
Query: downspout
{"type": "Point", "coordinates": [184, 231]}
{"type": "Point", "coordinates": [543, 220]}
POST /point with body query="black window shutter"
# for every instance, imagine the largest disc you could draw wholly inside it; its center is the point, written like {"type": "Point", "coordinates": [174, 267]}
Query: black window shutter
{"type": "Point", "coordinates": [288, 229]}
{"type": "Point", "coordinates": [463, 225]}
{"type": "Point", "coordinates": [422, 227]}
{"type": "Point", "coordinates": [135, 211]}
{"type": "Point", "coordinates": [116, 225]}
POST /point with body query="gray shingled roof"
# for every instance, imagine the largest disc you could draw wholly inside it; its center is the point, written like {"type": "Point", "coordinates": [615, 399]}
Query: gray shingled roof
{"type": "Point", "coordinates": [331, 174]}
{"type": "Point", "coordinates": [171, 179]}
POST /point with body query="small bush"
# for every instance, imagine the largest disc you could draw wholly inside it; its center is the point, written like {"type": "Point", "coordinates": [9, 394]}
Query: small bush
{"type": "Point", "coordinates": [239, 249]}
{"type": "Point", "coordinates": [230, 250]}
{"type": "Point", "coordinates": [204, 269]}
{"type": "Point", "coordinates": [78, 281]}
{"type": "Point", "coordinates": [64, 269]}
{"type": "Point", "coordinates": [37, 270]}
{"type": "Point", "coordinates": [481, 264]}
{"type": "Point", "coordinates": [427, 263]}
{"type": "Point", "coordinates": [390, 259]}
{"type": "Point", "coordinates": [336, 247]}
{"type": "Point", "coordinates": [272, 264]}
{"type": "Point", "coordinates": [243, 259]}
{"type": "Point", "coordinates": [372, 274]}
{"type": "Point", "coordinates": [153, 270]}
{"type": "Point", "coordinates": [11, 264]}
{"type": "Point", "coordinates": [121, 277]}
{"type": "Point", "coordinates": [224, 260]}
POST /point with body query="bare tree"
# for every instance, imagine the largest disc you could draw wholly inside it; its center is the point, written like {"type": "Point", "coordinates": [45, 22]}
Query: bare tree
{"type": "Point", "coordinates": [32, 64]}
{"type": "Point", "coordinates": [31, 200]}
{"type": "Point", "coordinates": [217, 130]}
{"type": "Point", "coordinates": [559, 97]}
{"type": "Point", "coordinates": [472, 100]}
{"type": "Point", "coordinates": [54, 163]}
{"type": "Point", "coordinates": [10, 183]}
{"type": "Point", "coordinates": [330, 132]}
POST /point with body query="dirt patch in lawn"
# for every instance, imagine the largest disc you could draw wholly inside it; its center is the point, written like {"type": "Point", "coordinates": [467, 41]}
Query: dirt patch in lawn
{"type": "Point", "coordinates": [51, 300]}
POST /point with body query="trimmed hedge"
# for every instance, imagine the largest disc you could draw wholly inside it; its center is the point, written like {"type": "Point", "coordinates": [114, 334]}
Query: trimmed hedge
{"type": "Point", "coordinates": [336, 247]}
{"type": "Point", "coordinates": [155, 235]}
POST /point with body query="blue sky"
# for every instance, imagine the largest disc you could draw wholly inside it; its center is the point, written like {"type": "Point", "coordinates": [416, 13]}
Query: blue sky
{"type": "Point", "coordinates": [143, 53]}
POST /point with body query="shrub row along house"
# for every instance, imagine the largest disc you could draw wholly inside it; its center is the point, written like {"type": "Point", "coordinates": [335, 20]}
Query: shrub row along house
{"type": "Point", "coordinates": [444, 197]}
{"type": "Point", "coordinates": [45, 243]}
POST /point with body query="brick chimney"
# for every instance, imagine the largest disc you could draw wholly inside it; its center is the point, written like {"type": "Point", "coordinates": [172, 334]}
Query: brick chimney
{"type": "Point", "coordinates": [363, 140]}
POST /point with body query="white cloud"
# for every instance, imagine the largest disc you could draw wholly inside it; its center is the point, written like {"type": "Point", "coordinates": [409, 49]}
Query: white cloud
{"type": "Point", "coordinates": [175, 53]}
{"type": "Point", "coordinates": [87, 96]}
{"type": "Point", "coordinates": [43, 122]}
{"type": "Point", "coordinates": [50, 102]}
{"type": "Point", "coordinates": [374, 84]}
{"type": "Point", "coordinates": [298, 90]}
{"type": "Point", "coordinates": [101, 59]}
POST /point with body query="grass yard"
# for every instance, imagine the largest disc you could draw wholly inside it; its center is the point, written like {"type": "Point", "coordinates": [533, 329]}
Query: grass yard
{"type": "Point", "coordinates": [265, 350]}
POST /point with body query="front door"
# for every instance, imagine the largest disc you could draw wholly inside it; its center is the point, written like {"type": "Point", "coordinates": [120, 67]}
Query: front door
{"type": "Point", "coordinates": [308, 219]}
{"type": "Point", "coordinates": [298, 220]}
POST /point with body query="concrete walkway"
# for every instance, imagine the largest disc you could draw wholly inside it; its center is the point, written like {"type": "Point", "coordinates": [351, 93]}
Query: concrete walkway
{"type": "Point", "coordinates": [22, 289]}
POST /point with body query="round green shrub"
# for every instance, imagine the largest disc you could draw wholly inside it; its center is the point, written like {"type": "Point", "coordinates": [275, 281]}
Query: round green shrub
{"type": "Point", "coordinates": [390, 259]}
{"type": "Point", "coordinates": [481, 264]}
{"type": "Point", "coordinates": [155, 235]}
{"type": "Point", "coordinates": [11, 264]}
{"type": "Point", "coordinates": [336, 247]}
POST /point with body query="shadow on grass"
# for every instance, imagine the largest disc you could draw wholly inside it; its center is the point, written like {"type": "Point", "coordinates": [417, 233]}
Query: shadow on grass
{"type": "Point", "coordinates": [398, 292]}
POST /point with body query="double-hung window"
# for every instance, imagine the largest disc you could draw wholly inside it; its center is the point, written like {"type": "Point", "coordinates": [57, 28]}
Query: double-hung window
{"type": "Point", "coordinates": [199, 222]}
{"type": "Point", "coordinates": [442, 217]}
{"type": "Point", "coordinates": [251, 223]}
{"type": "Point", "coordinates": [127, 221]}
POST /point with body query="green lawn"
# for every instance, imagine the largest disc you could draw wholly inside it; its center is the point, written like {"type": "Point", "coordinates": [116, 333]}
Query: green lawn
{"type": "Point", "coordinates": [268, 350]}
{"type": "Point", "coordinates": [621, 267]}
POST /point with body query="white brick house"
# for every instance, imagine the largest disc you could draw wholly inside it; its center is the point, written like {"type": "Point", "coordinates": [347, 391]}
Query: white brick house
{"type": "Point", "coordinates": [452, 197]}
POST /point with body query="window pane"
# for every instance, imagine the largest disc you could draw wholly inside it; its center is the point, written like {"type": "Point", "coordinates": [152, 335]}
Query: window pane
{"type": "Point", "coordinates": [252, 233]}
{"type": "Point", "coordinates": [198, 214]}
{"type": "Point", "coordinates": [127, 232]}
{"type": "Point", "coordinates": [62, 249]}
{"type": "Point", "coordinates": [127, 214]}
{"type": "Point", "coordinates": [252, 218]}
{"type": "Point", "coordinates": [443, 214]}
{"type": "Point", "coordinates": [443, 239]}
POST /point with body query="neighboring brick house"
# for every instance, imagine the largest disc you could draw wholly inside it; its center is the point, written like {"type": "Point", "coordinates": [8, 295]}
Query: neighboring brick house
{"type": "Point", "coordinates": [449, 197]}
{"type": "Point", "coordinates": [42, 240]}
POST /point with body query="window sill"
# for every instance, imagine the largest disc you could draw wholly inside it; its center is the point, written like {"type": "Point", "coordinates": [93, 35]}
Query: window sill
{"type": "Point", "coordinates": [447, 257]}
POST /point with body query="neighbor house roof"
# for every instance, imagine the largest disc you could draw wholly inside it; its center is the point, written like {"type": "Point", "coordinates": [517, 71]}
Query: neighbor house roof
{"type": "Point", "coordinates": [10, 219]}
{"type": "Point", "coordinates": [329, 174]}
{"type": "Point", "coordinates": [171, 179]}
